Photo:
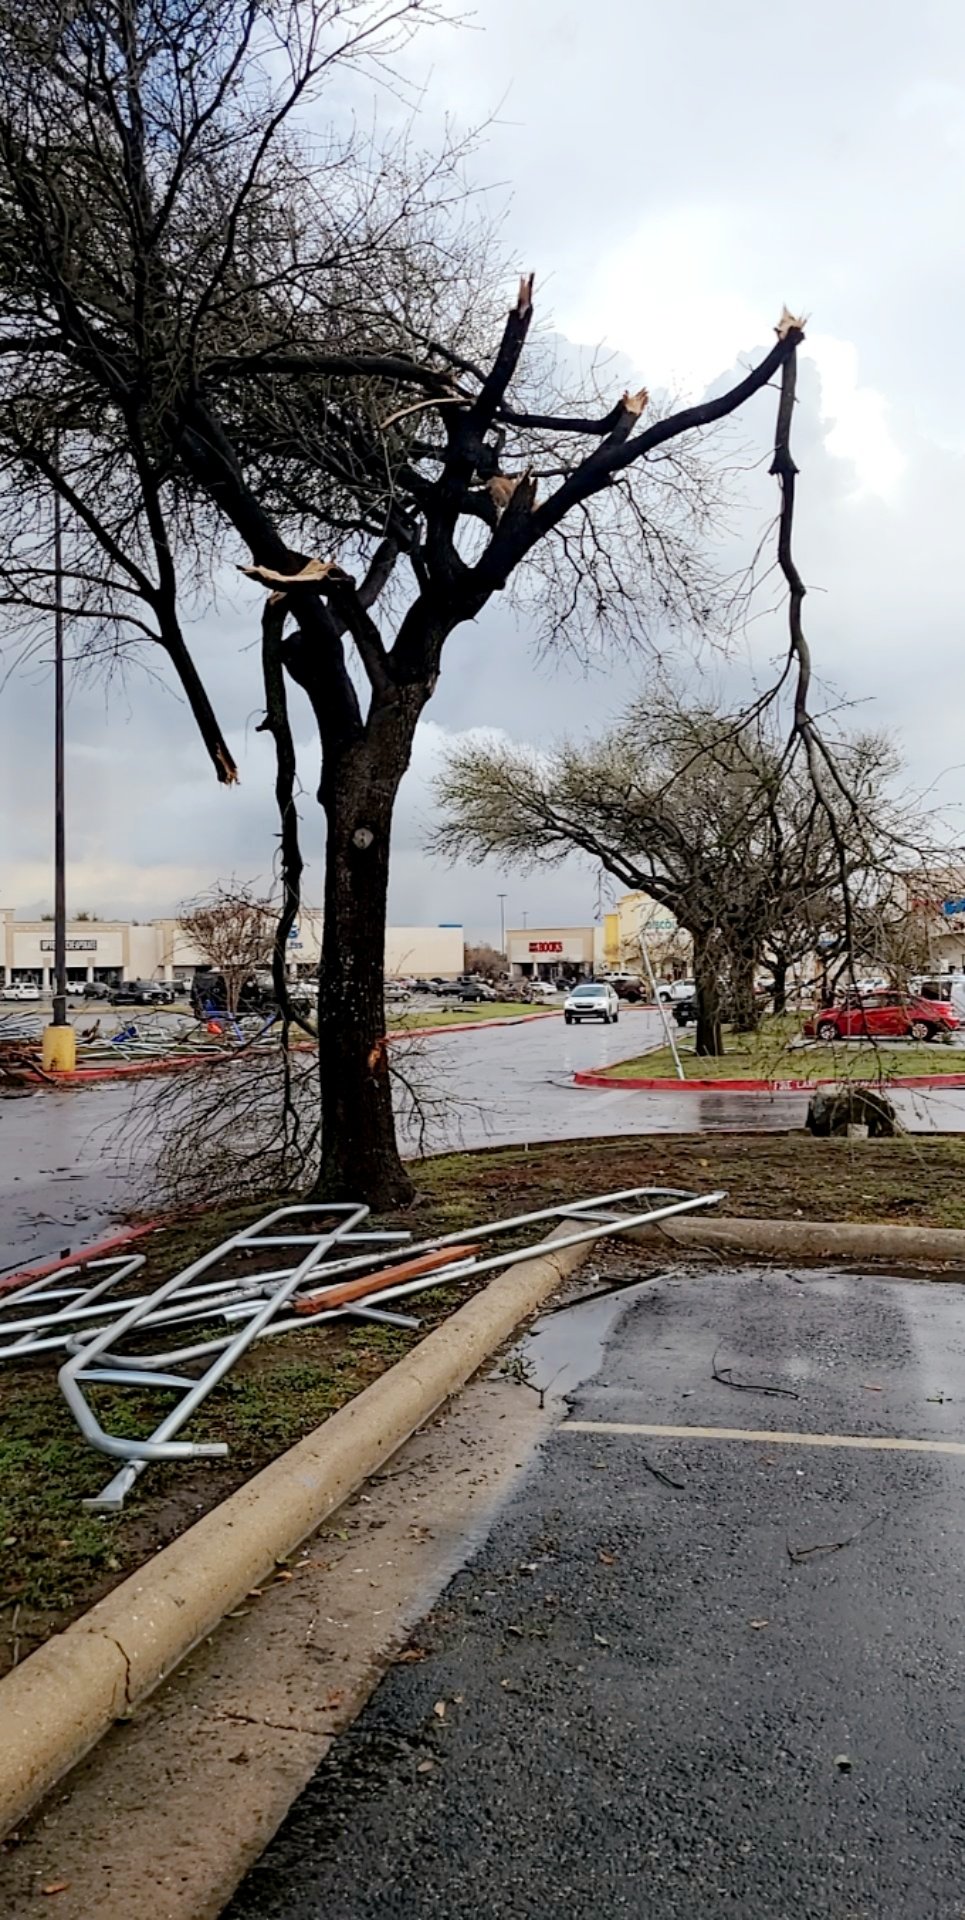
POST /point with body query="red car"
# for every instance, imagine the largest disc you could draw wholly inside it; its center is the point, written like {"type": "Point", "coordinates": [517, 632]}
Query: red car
{"type": "Point", "coordinates": [885, 1015]}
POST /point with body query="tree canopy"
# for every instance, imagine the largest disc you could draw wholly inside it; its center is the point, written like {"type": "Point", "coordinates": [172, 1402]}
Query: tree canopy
{"type": "Point", "coordinates": [711, 814]}
{"type": "Point", "coordinates": [234, 327]}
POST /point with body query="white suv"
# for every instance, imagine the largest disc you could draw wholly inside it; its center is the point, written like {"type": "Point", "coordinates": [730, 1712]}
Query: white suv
{"type": "Point", "coordinates": [21, 990]}
{"type": "Point", "coordinates": [594, 1000]}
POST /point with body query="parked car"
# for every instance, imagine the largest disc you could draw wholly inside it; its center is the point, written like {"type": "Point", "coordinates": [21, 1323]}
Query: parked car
{"type": "Point", "coordinates": [22, 990]}
{"type": "Point", "coordinates": [889, 1014]}
{"type": "Point", "coordinates": [542, 990]}
{"type": "Point", "coordinates": [136, 993]}
{"type": "Point", "coordinates": [627, 986]}
{"type": "Point", "coordinates": [471, 990]}
{"type": "Point", "coordinates": [685, 1011]}
{"type": "Point", "coordinates": [396, 992]}
{"type": "Point", "coordinates": [95, 990]}
{"type": "Point", "coordinates": [592, 1000]}
{"type": "Point", "coordinates": [674, 990]}
{"type": "Point", "coordinates": [947, 987]}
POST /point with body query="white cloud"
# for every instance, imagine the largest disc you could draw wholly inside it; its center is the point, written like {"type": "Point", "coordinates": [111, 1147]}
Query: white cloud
{"type": "Point", "coordinates": [663, 297]}
{"type": "Point", "coordinates": [857, 418]}
{"type": "Point", "coordinates": [668, 298]}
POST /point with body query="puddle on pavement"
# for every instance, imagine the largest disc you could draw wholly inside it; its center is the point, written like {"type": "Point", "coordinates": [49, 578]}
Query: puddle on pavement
{"type": "Point", "coordinates": [565, 1348]}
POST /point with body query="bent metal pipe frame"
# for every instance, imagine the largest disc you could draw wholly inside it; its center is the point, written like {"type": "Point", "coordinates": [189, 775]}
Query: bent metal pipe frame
{"type": "Point", "coordinates": [261, 1317]}
{"type": "Point", "coordinates": [162, 1445]}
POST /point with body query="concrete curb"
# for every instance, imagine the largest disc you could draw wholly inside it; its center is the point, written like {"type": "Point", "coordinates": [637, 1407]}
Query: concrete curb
{"type": "Point", "coordinates": [601, 1077]}
{"type": "Point", "coordinates": [807, 1239]}
{"type": "Point", "coordinates": [57, 1705]}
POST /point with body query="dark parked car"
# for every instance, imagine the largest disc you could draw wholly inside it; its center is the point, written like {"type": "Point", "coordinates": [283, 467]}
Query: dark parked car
{"type": "Point", "coordinates": [627, 986]}
{"type": "Point", "coordinates": [95, 990]}
{"type": "Point", "coordinates": [469, 990]}
{"type": "Point", "coordinates": [209, 995]}
{"type": "Point", "coordinates": [136, 993]}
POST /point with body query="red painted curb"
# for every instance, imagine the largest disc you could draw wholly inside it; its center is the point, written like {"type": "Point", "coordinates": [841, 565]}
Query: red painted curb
{"type": "Point", "coordinates": [99, 1250]}
{"type": "Point", "coordinates": [611, 1080]}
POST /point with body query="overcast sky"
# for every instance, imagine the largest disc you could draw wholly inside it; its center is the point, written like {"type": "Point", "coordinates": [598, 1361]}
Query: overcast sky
{"type": "Point", "coordinates": [677, 173]}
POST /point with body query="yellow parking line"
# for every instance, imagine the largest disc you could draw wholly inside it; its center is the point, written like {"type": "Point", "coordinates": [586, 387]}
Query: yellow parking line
{"type": "Point", "coordinates": [860, 1442]}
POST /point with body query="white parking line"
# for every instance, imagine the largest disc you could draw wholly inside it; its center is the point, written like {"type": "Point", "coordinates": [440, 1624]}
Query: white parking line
{"type": "Point", "coordinates": [859, 1442]}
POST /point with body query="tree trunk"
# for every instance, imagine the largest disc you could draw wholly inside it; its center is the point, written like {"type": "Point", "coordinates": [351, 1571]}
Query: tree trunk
{"type": "Point", "coordinates": [360, 1156]}
{"type": "Point", "coordinates": [709, 1039]}
{"type": "Point", "coordinates": [779, 984]}
{"type": "Point", "coordinates": [744, 1008]}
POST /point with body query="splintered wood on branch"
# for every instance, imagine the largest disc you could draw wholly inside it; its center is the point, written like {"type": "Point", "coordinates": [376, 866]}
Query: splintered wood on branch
{"type": "Point", "coordinates": [313, 574]}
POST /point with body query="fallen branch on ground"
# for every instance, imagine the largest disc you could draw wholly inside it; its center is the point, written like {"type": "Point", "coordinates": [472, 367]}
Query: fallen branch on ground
{"type": "Point", "coordinates": [798, 1555]}
{"type": "Point", "coordinates": [748, 1386]}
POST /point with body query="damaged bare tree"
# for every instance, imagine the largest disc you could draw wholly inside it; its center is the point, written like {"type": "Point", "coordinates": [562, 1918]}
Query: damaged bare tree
{"type": "Point", "coordinates": [708, 813]}
{"type": "Point", "coordinates": [234, 931]}
{"type": "Point", "coordinates": [223, 330]}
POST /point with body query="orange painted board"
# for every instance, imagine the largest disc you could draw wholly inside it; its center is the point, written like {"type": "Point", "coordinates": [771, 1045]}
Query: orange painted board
{"type": "Point", "coordinates": [385, 1277]}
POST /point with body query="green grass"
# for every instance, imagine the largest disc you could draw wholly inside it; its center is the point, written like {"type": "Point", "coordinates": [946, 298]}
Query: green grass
{"type": "Point", "coordinates": [768, 1056]}
{"type": "Point", "coordinates": [55, 1558]}
{"type": "Point", "coordinates": [473, 1010]}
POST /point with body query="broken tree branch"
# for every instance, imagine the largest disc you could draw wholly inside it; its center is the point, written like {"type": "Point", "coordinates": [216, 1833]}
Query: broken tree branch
{"type": "Point", "coordinates": [723, 1376]}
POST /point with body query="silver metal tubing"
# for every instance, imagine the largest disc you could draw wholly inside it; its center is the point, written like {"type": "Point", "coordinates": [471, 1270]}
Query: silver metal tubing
{"type": "Point", "coordinates": [162, 1445]}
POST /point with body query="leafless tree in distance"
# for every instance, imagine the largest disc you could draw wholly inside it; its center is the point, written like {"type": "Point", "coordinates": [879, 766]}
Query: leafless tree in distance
{"type": "Point", "coordinates": [234, 931]}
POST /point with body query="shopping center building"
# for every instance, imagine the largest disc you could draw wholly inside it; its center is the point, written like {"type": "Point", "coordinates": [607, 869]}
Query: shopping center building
{"type": "Point", "coordinates": [570, 953]}
{"type": "Point", "coordinates": [115, 950]}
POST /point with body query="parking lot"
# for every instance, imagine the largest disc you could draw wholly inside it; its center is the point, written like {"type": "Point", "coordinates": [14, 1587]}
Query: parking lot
{"type": "Point", "coordinates": [705, 1661]}
{"type": "Point", "coordinates": [69, 1166]}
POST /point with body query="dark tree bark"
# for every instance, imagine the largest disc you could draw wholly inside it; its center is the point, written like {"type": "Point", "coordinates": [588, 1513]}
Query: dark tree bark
{"type": "Point", "coordinates": [745, 1012]}
{"type": "Point", "coordinates": [360, 783]}
{"type": "Point", "coordinates": [707, 958]}
{"type": "Point", "coordinates": [779, 984]}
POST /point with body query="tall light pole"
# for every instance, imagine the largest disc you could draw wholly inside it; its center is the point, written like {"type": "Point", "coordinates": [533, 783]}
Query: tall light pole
{"type": "Point", "coordinates": [59, 1052]}
{"type": "Point", "coordinates": [60, 844]}
{"type": "Point", "coordinates": [501, 897]}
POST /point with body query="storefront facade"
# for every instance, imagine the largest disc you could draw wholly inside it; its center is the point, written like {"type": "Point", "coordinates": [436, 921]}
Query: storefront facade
{"type": "Point", "coordinates": [116, 950]}
{"type": "Point", "coordinates": [554, 953]}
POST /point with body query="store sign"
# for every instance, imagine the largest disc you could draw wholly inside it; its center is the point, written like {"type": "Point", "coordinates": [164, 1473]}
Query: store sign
{"type": "Point", "coordinates": [546, 946]}
{"type": "Point", "coordinates": [73, 946]}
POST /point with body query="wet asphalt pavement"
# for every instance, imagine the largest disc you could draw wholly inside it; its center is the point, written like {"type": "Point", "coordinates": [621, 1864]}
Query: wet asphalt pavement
{"type": "Point", "coordinates": [737, 1689]}
{"type": "Point", "coordinates": [70, 1164]}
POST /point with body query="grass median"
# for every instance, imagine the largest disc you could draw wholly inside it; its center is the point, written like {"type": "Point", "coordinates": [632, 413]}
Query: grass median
{"type": "Point", "coordinates": [401, 1022]}
{"type": "Point", "coordinates": [56, 1558]}
{"type": "Point", "coordinates": [775, 1053]}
